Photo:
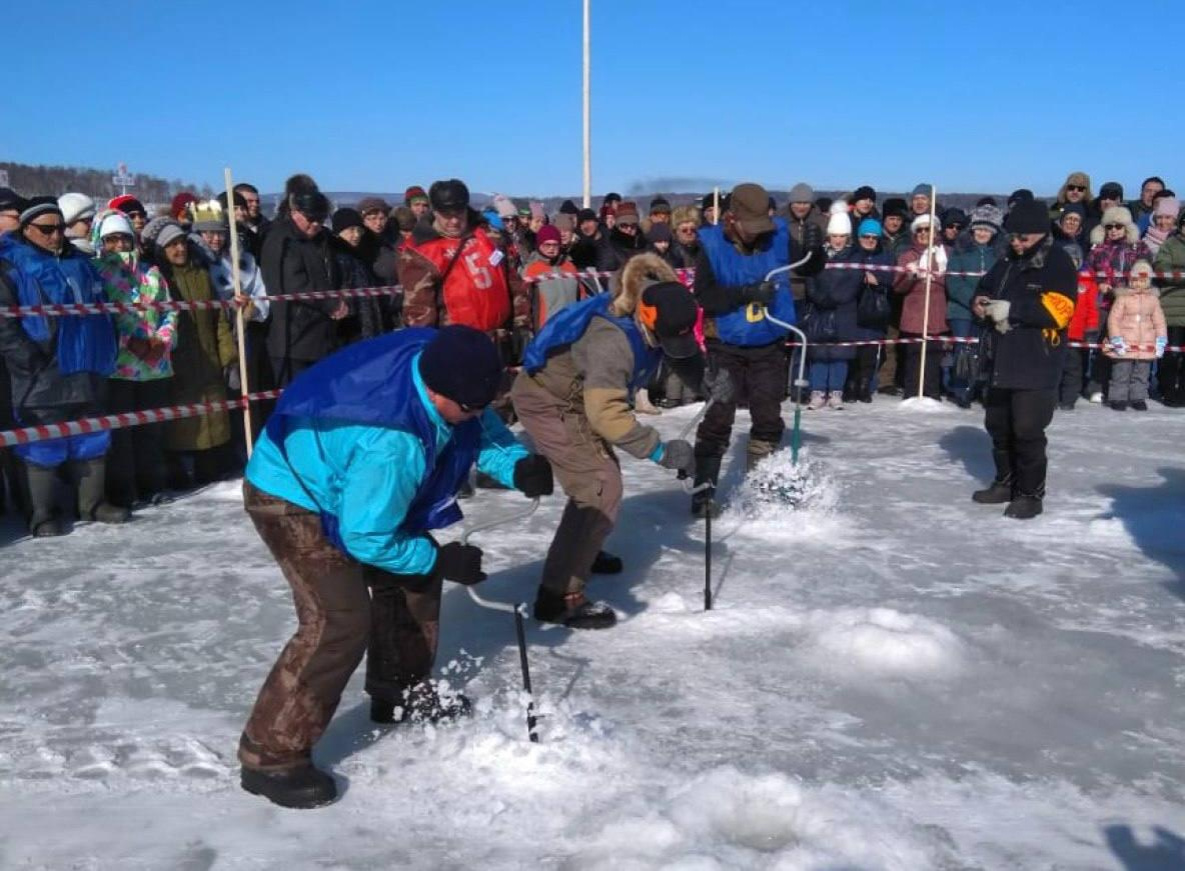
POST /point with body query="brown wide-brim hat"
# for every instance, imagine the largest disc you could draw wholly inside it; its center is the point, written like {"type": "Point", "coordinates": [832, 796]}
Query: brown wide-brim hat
{"type": "Point", "coordinates": [749, 204]}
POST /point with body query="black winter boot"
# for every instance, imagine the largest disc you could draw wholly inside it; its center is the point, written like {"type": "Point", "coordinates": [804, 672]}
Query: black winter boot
{"type": "Point", "coordinates": [302, 787]}
{"type": "Point", "coordinates": [607, 564]}
{"type": "Point", "coordinates": [42, 485]}
{"type": "Point", "coordinates": [421, 703]}
{"type": "Point", "coordinates": [1119, 405]}
{"type": "Point", "coordinates": [1139, 405]}
{"type": "Point", "coordinates": [573, 610]}
{"type": "Point", "coordinates": [1024, 507]}
{"type": "Point", "coordinates": [382, 712]}
{"type": "Point", "coordinates": [997, 493]}
{"type": "Point", "coordinates": [92, 494]}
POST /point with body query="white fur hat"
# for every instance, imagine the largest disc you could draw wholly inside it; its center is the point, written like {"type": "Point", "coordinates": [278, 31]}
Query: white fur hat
{"type": "Point", "coordinates": [76, 207]}
{"type": "Point", "coordinates": [839, 224]}
{"type": "Point", "coordinates": [919, 222]}
{"type": "Point", "coordinates": [115, 222]}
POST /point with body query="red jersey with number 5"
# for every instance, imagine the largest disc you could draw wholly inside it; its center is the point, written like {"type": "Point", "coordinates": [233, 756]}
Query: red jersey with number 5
{"type": "Point", "coordinates": [475, 291]}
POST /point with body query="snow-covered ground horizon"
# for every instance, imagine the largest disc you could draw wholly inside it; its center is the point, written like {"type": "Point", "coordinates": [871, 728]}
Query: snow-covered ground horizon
{"type": "Point", "coordinates": [892, 678]}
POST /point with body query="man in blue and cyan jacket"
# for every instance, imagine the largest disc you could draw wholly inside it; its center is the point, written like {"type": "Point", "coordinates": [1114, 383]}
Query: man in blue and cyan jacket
{"type": "Point", "coordinates": [360, 461]}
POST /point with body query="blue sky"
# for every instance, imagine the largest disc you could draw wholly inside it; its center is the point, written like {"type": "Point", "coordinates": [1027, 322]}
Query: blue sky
{"type": "Point", "coordinates": [379, 95]}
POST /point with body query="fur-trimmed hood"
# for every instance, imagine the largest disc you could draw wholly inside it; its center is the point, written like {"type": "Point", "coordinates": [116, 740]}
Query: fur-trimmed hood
{"type": "Point", "coordinates": [1116, 215]}
{"type": "Point", "coordinates": [639, 272]}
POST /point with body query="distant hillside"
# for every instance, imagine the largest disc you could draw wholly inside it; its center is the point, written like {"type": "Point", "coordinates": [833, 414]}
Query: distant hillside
{"type": "Point", "coordinates": [29, 180]}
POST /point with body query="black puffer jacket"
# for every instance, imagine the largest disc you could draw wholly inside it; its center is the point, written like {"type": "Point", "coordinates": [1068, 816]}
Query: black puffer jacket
{"type": "Point", "coordinates": [616, 248]}
{"type": "Point", "coordinates": [1041, 285]}
{"type": "Point", "coordinates": [293, 263]}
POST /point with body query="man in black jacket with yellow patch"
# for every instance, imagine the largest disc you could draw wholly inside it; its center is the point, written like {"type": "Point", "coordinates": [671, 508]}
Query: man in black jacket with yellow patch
{"type": "Point", "coordinates": [1028, 296]}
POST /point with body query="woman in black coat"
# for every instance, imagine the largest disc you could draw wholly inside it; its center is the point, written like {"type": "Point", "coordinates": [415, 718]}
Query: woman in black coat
{"type": "Point", "coordinates": [873, 310]}
{"type": "Point", "coordinates": [831, 317]}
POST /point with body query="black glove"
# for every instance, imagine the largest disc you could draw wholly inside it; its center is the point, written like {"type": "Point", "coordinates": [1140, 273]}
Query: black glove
{"type": "Point", "coordinates": [459, 562]}
{"type": "Point", "coordinates": [761, 292]}
{"type": "Point", "coordinates": [814, 265]}
{"type": "Point", "coordinates": [718, 385]}
{"type": "Point", "coordinates": [532, 475]}
{"type": "Point", "coordinates": [679, 455]}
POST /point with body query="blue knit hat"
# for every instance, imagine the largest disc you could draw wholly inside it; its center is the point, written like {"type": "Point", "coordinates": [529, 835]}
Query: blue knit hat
{"type": "Point", "coordinates": [462, 364]}
{"type": "Point", "coordinates": [870, 227]}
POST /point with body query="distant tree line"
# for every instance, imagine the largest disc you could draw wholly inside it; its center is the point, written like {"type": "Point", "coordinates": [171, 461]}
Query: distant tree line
{"type": "Point", "coordinates": [30, 180]}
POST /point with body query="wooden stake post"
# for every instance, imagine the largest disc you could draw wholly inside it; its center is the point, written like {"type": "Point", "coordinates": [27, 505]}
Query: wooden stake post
{"type": "Point", "coordinates": [932, 253]}
{"type": "Point", "coordinates": [240, 303]}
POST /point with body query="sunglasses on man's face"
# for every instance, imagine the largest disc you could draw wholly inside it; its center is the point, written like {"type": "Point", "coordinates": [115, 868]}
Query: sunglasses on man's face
{"type": "Point", "coordinates": [49, 229]}
{"type": "Point", "coordinates": [470, 409]}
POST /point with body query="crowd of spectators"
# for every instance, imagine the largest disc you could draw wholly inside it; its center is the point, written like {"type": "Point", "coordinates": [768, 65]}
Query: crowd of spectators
{"type": "Point", "coordinates": [899, 273]}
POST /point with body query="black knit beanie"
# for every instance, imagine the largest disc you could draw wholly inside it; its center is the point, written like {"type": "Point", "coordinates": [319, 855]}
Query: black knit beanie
{"type": "Point", "coordinates": [462, 364]}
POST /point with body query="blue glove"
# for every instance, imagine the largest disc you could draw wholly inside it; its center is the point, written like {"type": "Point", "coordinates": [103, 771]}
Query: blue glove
{"type": "Point", "coordinates": [1118, 345]}
{"type": "Point", "coordinates": [1162, 342]}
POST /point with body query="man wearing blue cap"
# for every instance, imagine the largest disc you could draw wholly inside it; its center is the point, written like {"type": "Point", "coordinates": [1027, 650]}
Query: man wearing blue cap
{"type": "Point", "coordinates": [360, 461]}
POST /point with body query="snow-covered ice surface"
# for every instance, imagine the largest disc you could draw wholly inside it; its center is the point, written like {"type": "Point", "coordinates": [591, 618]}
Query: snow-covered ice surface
{"type": "Point", "coordinates": [893, 678]}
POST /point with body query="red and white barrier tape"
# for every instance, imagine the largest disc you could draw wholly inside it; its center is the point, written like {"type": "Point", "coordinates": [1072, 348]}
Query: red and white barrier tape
{"type": "Point", "coordinates": [685, 275]}
{"type": "Point", "coordinates": [965, 340]}
{"type": "Point", "coordinates": [98, 308]}
{"type": "Point", "coordinates": [30, 434]}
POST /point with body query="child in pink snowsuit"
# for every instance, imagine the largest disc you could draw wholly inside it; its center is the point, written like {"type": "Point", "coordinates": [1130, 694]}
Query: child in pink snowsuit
{"type": "Point", "coordinates": [1137, 336]}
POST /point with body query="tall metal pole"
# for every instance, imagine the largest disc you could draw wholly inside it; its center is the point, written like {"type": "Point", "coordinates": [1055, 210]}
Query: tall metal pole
{"type": "Point", "coordinates": [587, 113]}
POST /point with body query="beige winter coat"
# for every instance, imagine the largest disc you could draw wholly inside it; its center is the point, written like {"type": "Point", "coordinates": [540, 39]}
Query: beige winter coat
{"type": "Point", "coordinates": [1137, 316]}
{"type": "Point", "coordinates": [590, 378]}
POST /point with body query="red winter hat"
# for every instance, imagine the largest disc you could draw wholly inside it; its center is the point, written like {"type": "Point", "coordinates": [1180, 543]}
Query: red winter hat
{"type": "Point", "coordinates": [127, 204]}
{"type": "Point", "coordinates": [547, 233]}
{"type": "Point", "coordinates": [413, 193]}
{"type": "Point", "coordinates": [179, 208]}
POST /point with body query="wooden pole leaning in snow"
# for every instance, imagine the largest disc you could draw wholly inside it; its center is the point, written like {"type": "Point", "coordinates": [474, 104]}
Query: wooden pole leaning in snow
{"type": "Point", "coordinates": [931, 255]}
{"type": "Point", "coordinates": [240, 302]}
{"type": "Point", "coordinates": [716, 205]}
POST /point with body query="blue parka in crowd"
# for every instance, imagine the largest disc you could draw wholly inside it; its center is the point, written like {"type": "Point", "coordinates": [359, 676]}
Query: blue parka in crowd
{"type": "Point", "coordinates": [58, 365]}
{"type": "Point", "coordinates": [830, 316]}
{"type": "Point", "coordinates": [357, 440]}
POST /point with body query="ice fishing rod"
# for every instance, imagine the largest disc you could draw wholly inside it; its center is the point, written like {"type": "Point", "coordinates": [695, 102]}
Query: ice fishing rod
{"type": "Point", "coordinates": [800, 382]}
{"type": "Point", "coordinates": [519, 611]}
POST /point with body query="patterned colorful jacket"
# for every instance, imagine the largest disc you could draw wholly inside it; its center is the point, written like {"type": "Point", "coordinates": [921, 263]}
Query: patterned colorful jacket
{"type": "Point", "coordinates": [127, 279]}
